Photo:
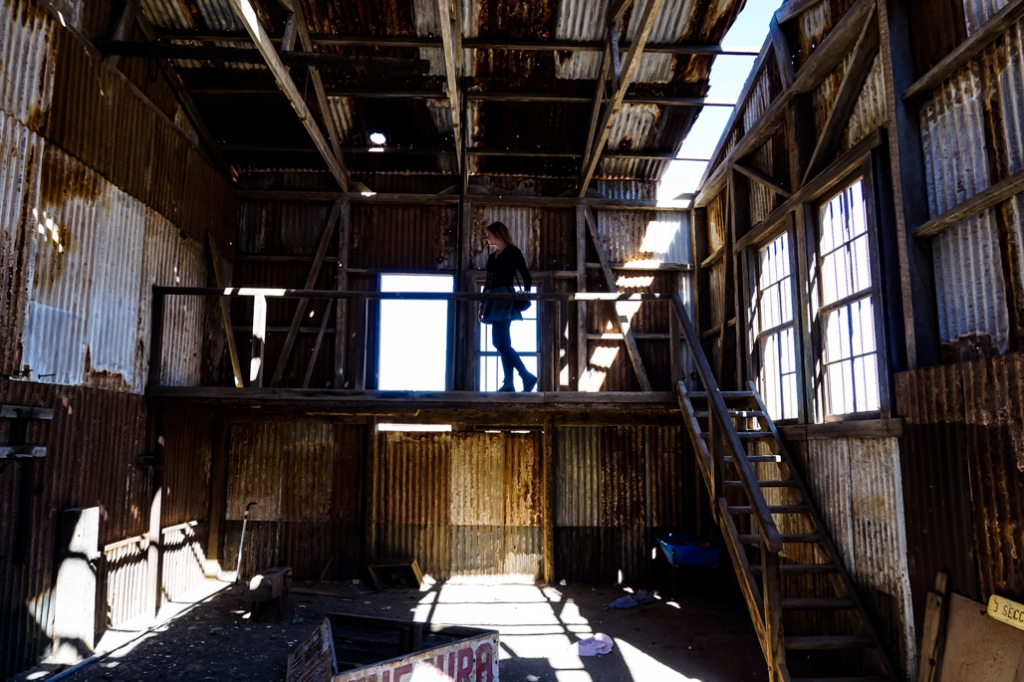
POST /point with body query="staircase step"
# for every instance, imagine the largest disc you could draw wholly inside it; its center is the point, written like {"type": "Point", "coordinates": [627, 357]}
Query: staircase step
{"type": "Point", "coordinates": [808, 538]}
{"type": "Point", "coordinates": [817, 604]}
{"type": "Point", "coordinates": [724, 394]}
{"type": "Point", "coordinates": [817, 643]}
{"type": "Point", "coordinates": [774, 509]}
{"type": "Point", "coordinates": [764, 484]}
{"type": "Point", "coordinates": [841, 679]}
{"type": "Point", "coordinates": [744, 435]}
{"type": "Point", "coordinates": [802, 569]}
{"type": "Point", "coordinates": [733, 413]}
{"type": "Point", "coordinates": [756, 458]}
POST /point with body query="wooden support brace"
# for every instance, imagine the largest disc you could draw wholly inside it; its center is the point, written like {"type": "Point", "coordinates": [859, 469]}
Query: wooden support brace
{"type": "Point", "coordinates": [766, 180]}
{"type": "Point", "coordinates": [314, 274]}
{"type": "Point", "coordinates": [225, 314]}
{"type": "Point", "coordinates": [451, 39]}
{"type": "Point", "coordinates": [623, 315]}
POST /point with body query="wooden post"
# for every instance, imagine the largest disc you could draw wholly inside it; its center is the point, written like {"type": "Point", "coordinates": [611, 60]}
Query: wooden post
{"type": "Point", "coordinates": [311, 278]}
{"type": "Point", "coordinates": [218, 486]}
{"type": "Point", "coordinates": [225, 314]}
{"type": "Point", "coordinates": [933, 634]}
{"type": "Point", "coordinates": [259, 335]}
{"type": "Point", "coordinates": [771, 588]}
{"type": "Point", "coordinates": [154, 553]}
{"type": "Point", "coordinates": [581, 308]}
{"type": "Point", "coordinates": [341, 308]}
{"type": "Point", "coordinates": [372, 505]}
{"type": "Point", "coordinates": [156, 342]}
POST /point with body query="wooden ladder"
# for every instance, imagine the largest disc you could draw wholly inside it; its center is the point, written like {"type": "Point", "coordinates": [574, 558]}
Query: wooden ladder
{"type": "Point", "coordinates": [810, 622]}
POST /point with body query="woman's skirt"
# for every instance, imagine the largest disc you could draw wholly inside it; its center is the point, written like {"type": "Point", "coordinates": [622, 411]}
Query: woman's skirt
{"type": "Point", "coordinates": [500, 311]}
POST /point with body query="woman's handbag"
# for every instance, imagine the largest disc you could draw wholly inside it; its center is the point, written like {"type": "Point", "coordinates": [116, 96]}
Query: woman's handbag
{"type": "Point", "coordinates": [522, 303]}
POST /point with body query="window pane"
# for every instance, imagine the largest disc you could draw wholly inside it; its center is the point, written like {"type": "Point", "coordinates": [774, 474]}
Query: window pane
{"type": "Point", "coordinates": [414, 335]}
{"type": "Point", "coordinates": [772, 326]}
{"type": "Point", "coordinates": [524, 341]}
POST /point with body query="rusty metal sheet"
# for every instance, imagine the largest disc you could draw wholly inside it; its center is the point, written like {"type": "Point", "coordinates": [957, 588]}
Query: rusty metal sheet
{"type": "Point", "coordinates": [978, 12]}
{"type": "Point", "coordinates": [26, 90]}
{"type": "Point", "coordinates": [188, 451]}
{"type": "Point", "coordinates": [477, 485]}
{"type": "Point", "coordinates": [622, 477]}
{"type": "Point", "coordinates": [632, 236]}
{"type": "Point", "coordinates": [1009, 52]}
{"type": "Point", "coordinates": [717, 225]}
{"type": "Point", "coordinates": [524, 502]}
{"type": "Point", "coordinates": [522, 552]}
{"type": "Point", "coordinates": [403, 237]}
{"type": "Point", "coordinates": [430, 545]}
{"type": "Point", "coordinates": [524, 226]}
{"type": "Point", "coordinates": [22, 151]}
{"type": "Point", "coordinates": [308, 459]}
{"type": "Point", "coordinates": [476, 550]}
{"type": "Point", "coordinates": [953, 139]}
{"type": "Point", "coordinates": [577, 476]}
{"type": "Point", "coordinates": [857, 485]}
{"type": "Point", "coordinates": [557, 241]}
{"type": "Point", "coordinates": [674, 487]}
{"type": "Point", "coordinates": [254, 472]}
{"type": "Point", "coordinates": [994, 422]}
{"type": "Point", "coordinates": [940, 519]}
{"type": "Point", "coordinates": [415, 471]}
{"type": "Point", "coordinates": [970, 292]}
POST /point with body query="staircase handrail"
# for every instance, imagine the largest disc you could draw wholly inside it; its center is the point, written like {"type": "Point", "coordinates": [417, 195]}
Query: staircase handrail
{"type": "Point", "coordinates": [770, 535]}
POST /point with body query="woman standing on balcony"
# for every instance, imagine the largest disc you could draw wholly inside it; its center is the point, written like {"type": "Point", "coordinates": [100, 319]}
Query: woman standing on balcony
{"type": "Point", "coordinates": [502, 265]}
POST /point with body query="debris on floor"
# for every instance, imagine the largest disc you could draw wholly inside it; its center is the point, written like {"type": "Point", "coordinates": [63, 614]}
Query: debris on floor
{"type": "Point", "coordinates": [630, 601]}
{"type": "Point", "coordinates": [597, 645]}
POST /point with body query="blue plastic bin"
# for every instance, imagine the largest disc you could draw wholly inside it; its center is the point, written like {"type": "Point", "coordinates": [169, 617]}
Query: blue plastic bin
{"type": "Point", "coordinates": [685, 549]}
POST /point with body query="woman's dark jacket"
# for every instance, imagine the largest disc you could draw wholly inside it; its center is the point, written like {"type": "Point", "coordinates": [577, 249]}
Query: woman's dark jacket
{"type": "Point", "coordinates": [501, 269]}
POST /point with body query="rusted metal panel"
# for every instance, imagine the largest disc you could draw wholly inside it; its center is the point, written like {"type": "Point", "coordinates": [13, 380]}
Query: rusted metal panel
{"type": "Point", "coordinates": [622, 477]}
{"type": "Point", "coordinates": [26, 88]}
{"type": "Point", "coordinates": [808, 30]}
{"type": "Point", "coordinates": [524, 502]}
{"type": "Point", "coordinates": [978, 12]}
{"type": "Point", "coordinates": [417, 466]}
{"type": "Point", "coordinates": [577, 476]}
{"type": "Point", "coordinates": [870, 111]}
{"type": "Point", "coordinates": [476, 550]}
{"type": "Point", "coordinates": [124, 579]}
{"type": "Point", "coordinates": [557, 241]}
{"type": "Point", "coordinates": [522, 552]}
{"type": "Point", "coordinates": [188, 450]}
{"type": "Point", "coordinates": [671, 478]}
{"type": "Point", "coordinates": [430, 545]}
{"type": "Point", "coordinates": [1010, 52]}
{"type": "Point", "coordinates": [93, 443]}
{"type": "Point", "coordinates": [994, 421]}
{"type": "Point", "coordinates": [168, 260]}
{"type": "Point", "coordinates": [524, 226]}
{"type": "Point", "coordinates": [970, 292]}
{"type": "Point", "coordinates": [953, 138]}
{"type": "Point", "coordinates": [763, 200]}
{"type": "Point", "coordinates": [717, 225]}
{"type": "Point", "coordinates": [307, 458]}
{"type": "Point", "coordinates": [857, 485]}
{"type": "Point", "coordinates": [626, 189]}
{"type": "Point", "coordinates": [254, 472]}
{"type": "Point", "coordinates": [631, 236]}
{"type": "Point", "coordinates": [184, 559]}
{"type": "Point", "coordinates": [22, 152]}
{"type": "Point", "coordinates": [403, 237]}
{"type": "Point", "coordinates": [477, 481]}
{"type": "Point", "coordinates": [767, 86]}
{"type": "Point", "coordinates": [633, 128]}
{"type": "Point", "coordinates": [940, 520]}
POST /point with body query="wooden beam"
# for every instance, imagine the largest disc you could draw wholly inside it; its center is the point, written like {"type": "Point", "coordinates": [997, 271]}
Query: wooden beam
{"type": "Point", "coordinates": [318, 84]}
{"type": "Point", "coordinates": [451, 39]}
{"type": "Point", "coordinates": [783, 57]}
{"type": "Point", "coordinates": [819, 65]}
{"type": "Point", "coordinates": [766, 180]}
{"type": "Point", "coordinates": [225, 313]}
{"type": "Point", "coordinates": [847, 97]}
{"type": "Point", "coordinates": [598, 100]}
{"type": "Point", "coordinates": [451, 199]}
{"type": "Point", "coordinates": [121, 31]}
{"type": "Point", "coordinates": [629, 67]}
{"type": "Point", "coordinates": [991, 30]}
{"type": "Point", "coordinates": [341, 307]}
{"type": "Point", "coordinates": [622, 315]}
{"type": "Point", "coordinates": [252, 24]}
{"type": "Point", "coordinates": [792, 9]}
{"type": "Point", "coordinates": [311, 278]}
{"type": "Point", "coordinates": [996, 194]}
{"type": "Point", "coordinates": [479, 43]}
{"type": "Point", "coordinates": [582, 348]}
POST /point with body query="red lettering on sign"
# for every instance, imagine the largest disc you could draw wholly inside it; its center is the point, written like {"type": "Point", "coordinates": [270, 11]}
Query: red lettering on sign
{"type": "Point", "coordinates": [402, 671]}
{"type": "Point", "coordinates": [385, 676]}
{"type": "Point", "coordinates": [465, 673]}
{"type": "Point", "coordinates": [483, 663]}
{"type": "Point", "coordinates": [451, 665]}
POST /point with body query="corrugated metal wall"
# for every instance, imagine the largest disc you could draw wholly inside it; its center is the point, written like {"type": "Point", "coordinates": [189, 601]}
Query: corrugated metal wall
{"type": "Point", "coordinates": [615, 489]}
{"type": "Point", "coordinates": [857, 485]}
{"type": "Point", "coordinates": [971, 133]}
{"type": "Point", "coordinates": [965, 439]}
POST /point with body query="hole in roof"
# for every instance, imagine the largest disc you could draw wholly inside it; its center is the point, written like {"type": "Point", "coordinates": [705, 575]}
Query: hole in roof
{"type": "Point", "coordinates": [378, 138]}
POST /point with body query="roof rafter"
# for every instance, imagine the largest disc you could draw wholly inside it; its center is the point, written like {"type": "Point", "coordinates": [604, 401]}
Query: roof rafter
{"type": "Point", "coordinates": [451, 38]}
{"type": "Point", "coordinates": [629, 67]}
{"type": "Point", "coordinates": [318, 84]}
{"type": "Point", "coordinates": [252, 24]}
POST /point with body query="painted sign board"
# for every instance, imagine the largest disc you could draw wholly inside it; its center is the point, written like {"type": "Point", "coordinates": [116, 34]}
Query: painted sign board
{"type": "Point", "coordinates": [469, 660]}
{"type": "Point", "coordinates": [355, 648]}
{"type": "Point", "coordinates": [1006, 611]}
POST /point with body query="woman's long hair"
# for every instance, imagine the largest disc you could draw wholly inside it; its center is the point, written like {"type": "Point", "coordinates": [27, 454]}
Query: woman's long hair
{"type": "Point", "coordinates": [500, 230]}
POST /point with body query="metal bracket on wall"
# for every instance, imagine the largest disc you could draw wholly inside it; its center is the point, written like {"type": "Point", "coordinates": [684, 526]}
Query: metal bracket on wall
{"type": "Point", "coordinates": [16, 447]}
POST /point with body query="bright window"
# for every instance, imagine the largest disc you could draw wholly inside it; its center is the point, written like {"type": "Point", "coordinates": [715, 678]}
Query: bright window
{"type": "Point", "coordinates": [774, 330]}
{"type": "Point", "coordinates": [524, 341]}
{"type": "Point", "coordinates": [847, 305]}
{"type": "Point", "coordinates": [413, 335]}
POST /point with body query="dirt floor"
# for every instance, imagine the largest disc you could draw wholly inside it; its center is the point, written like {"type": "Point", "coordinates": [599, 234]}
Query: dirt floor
{"type": "Point", "coordinates": [695, 630]}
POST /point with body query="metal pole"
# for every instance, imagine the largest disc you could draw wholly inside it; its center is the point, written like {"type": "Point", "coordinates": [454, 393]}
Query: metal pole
{"type": "Point", "coordinates": [241, 543]}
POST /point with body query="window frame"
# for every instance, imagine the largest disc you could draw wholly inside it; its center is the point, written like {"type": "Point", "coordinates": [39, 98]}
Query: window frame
{"type": "Point", "coordinates": [783, 225]}
{"type": "Point", "coordinates": [816, 311]}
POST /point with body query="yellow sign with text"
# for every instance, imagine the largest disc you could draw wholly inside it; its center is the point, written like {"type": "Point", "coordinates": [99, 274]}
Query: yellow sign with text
{"type": "Point", "coordinates": [1006, 611]}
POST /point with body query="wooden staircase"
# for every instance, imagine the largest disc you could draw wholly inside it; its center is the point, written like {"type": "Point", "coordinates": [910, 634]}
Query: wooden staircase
{"type": "Point", "coordinates": [805, 610]}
